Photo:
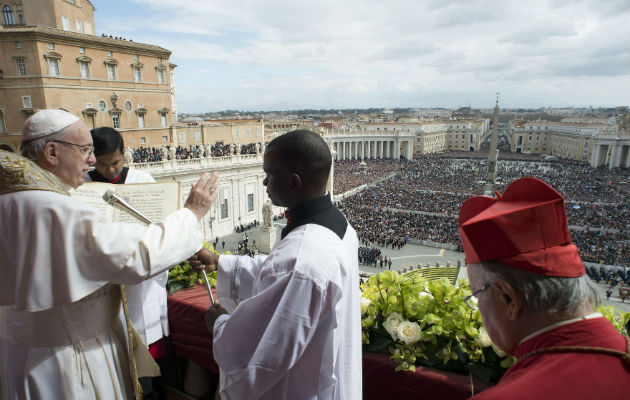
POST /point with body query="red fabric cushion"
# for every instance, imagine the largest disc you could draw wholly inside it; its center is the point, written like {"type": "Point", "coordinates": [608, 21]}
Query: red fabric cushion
{"type": "Point", "coordinates": [380, 381]}
{"type": "Point", "coordinates": [191, 340]}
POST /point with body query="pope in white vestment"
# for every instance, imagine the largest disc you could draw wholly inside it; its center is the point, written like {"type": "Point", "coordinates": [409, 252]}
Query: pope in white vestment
{"type": "Point", "coordinates": [294, 328]}
{"type": "Point", "coordinates": [60, 336]}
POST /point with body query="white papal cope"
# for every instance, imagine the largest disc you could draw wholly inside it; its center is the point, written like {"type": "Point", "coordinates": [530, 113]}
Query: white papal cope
{"type": "Point", "coordinates": [60, 336]}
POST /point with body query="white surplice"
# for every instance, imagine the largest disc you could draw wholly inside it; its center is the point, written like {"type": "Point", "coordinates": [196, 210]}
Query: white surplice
{"type": "Point", "coordinates": [60, 336]}
{"type": "Point", "coordinates": [147, 300]}
{"type": "Point", "coordinates": [294, 329]}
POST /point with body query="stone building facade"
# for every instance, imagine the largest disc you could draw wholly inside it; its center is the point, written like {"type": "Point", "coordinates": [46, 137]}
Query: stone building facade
{"type": "Point", "coordinates": [51, 58]}
{"type": "Point", "coordinates": [597, 144]}
{"type": "Point", "coordinates": [437, 136]}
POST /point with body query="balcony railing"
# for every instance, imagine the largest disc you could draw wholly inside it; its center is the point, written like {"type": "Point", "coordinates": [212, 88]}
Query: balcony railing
{"type": "Point", "coordinates": [192, 164]}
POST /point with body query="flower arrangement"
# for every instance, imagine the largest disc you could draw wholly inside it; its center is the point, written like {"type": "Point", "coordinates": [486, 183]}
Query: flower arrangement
{"type": "Point", "coordinates": [618, 318]}
{"type": "Point", "coordinates": [184, 276]}
{"type": "Point", "coordinates": [426, 322]}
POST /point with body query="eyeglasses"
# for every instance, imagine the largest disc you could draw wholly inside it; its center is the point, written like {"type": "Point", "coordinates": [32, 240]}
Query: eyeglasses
{"type": "Point", "coordinates": [86, 150]}
{"type": "Point", "coordinates": [468, 299]}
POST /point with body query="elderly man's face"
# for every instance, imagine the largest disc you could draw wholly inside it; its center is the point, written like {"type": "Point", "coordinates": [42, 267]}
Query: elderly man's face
{"type": "Point", "coordinates": [492, 308]}
{"type": "Point", "coordinates": [74, 161]}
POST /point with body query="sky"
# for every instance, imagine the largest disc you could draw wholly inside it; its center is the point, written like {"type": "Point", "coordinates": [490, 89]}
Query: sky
{"type": "Point", "coordinates": [264, 55]}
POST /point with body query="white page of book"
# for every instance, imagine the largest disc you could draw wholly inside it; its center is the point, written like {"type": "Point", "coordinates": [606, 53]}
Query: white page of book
{"type": "Point", "coordinates": [154, 200]}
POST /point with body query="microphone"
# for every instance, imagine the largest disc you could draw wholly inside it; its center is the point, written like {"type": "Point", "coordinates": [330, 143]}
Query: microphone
{"type": "Point", "coordinates": [114, 200]}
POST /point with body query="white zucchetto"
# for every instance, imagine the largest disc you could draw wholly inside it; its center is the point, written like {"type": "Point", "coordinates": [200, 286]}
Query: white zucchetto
{"type": "Point", "coordinates": [46, 122]}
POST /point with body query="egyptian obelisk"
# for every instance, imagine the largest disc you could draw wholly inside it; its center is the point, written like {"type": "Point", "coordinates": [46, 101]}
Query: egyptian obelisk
{"type": "Point", "coordinates": [492, 155]}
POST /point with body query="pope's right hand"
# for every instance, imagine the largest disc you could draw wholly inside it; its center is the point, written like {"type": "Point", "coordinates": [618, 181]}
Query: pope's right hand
{"type": "Point", "coordinates": [202, 194]}
{"type": "Point", "coordinates": [204, 260]}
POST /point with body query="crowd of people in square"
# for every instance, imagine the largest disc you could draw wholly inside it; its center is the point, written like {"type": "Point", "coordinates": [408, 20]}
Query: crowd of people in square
{"type": "Point", "coordinates": [422, 199]}
{"type": "Point", "coordinates": [245, 227]}
{"type": "Point", "coordinates": [373, 256]}
{"type": "Point", "coordinates": [394, 228]}
{"type": "Point", "coordinates": [245, 248]}
{"type": "Point", "coordinates": [611, 277]}
{"type": "Point", "coordinates": [193, 151]}
{"type": "Point", "coordinates": [147, 154]}
{"type": "Point", "coordinates": [350, 174]}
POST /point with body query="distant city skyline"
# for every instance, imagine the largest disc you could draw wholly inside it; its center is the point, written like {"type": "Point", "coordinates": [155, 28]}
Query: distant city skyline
{"type": "Point", "coordinates": [344, 54]}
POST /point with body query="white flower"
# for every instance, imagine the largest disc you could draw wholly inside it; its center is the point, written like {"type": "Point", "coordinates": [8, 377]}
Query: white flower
{"type": "Point", "coordinates": [484, 338]}
{"type": "Point", "coordinates": [391, 324]}
{"type": "Point", "coordinates": [364, 305]}
{"type": "Point", "coordinates": [408, 332]}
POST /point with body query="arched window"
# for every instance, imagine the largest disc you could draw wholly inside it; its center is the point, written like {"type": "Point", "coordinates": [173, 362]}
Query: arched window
{"type": "Point", "coordinates": [8, 15]}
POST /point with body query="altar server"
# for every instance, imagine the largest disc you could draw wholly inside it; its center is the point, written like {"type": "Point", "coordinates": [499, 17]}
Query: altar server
{"type": "Point", "coordinates": [110, 164]}
{"type": "Point", "coordinates": [294, 328]}
{"type": "Point", "coordinates": [59, 303]}
{"type": "Point", "coordinates": [536, 300]}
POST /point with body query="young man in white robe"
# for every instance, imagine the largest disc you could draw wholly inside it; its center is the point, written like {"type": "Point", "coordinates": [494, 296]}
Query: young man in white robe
{"type": "Point", "coordinates": [147, 300]}
{"type": "Point", "coordinates": [294, 326]}
{"type": "Point", "coordinates": [61, 264]}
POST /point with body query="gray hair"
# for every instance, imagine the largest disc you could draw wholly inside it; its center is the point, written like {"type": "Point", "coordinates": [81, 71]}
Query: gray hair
{"type": "Point", "coordinates": [33, 148]}
{"type": "Point", "coordinates": [541, 293]}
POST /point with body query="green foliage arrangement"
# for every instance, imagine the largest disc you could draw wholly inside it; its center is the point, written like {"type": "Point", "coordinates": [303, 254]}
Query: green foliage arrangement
{"type": "Point", "coordinates": [426, 322]}
{"type": "Point", "coordinates": [616, 317]}
{"type": "Point", "coordinates": [184, 276]}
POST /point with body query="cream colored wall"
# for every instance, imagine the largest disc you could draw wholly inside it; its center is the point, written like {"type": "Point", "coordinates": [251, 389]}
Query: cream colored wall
{"type": "Point", "coordinates": [81, 10]}
{"type": "Point", "coordinates": [210, 134]}
{"type": "Point", "coordinates": [557, 144]}
{"type": "Point", "coordinates": [29, 52]}
{"type": "Point", "coordinates": [49, 12]}
{"type": "Point", "coordinates": [18, 7]}
{"type": "Point", "coordinates": [39, 13]}
{"type": "Point", "coordinates": [72, 93]}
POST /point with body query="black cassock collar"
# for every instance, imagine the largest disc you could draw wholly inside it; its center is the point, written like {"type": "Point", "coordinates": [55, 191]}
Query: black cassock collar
{"type": "Point", "coordinates": [318, 211]}
{"type": "Point", "coordinates": [121, 178]}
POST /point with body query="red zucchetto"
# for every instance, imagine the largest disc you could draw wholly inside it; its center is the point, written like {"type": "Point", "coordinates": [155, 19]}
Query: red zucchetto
{"type": "Point", "coordinates": [526, 228]}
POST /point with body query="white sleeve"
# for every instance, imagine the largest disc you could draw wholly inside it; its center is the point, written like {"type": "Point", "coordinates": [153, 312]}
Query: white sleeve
{"type": "Point", "coordinates": [267, 334]}
{"type": "Point", "coordinates": [137, 176]}
{"type": "Point", "coordinates": [61, 250]}
{"type": "Point", "coordinates": [150, 250]}
{"type": "Point", "coordinates": [235, 278]}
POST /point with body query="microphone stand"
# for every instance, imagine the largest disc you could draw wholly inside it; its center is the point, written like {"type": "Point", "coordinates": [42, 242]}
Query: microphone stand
{"type": "Point", "coordinates": [115, 200]}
